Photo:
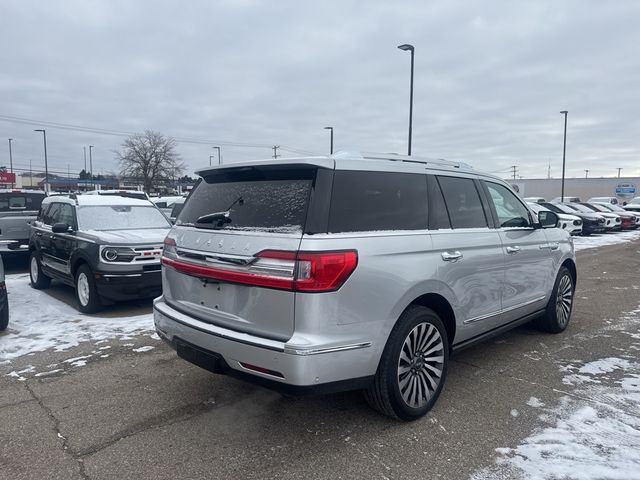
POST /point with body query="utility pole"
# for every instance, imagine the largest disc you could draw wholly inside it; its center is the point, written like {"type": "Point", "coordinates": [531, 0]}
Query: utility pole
{"type": "Point", "coordinates": [564, 152]}
{"type": "Point", "coordinates": [11, 160]}
{"type": "Point", "coordinates": [549, 171]}
{"type": "Point", "coordinates": [586, 173]}
{"type": "Point", "coordinates": [275, 151]}
{"type": "Point", "coordinates": [219, 157]}
{"type": "Point", "coordinates": [619, 168]}
{"type": "Point", "coordinates": [514, 168]}
{"type": "Point", "coordinates": [84, 150]}
{"type": "Point", "coordinates": [91, 165]}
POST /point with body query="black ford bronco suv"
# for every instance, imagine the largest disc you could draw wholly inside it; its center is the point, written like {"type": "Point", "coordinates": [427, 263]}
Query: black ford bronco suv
{"type": "Point", "coordinates": [107, 247]}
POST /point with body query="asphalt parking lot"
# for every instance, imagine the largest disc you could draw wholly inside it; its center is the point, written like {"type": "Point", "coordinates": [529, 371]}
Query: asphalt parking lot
{"type": "Point", "coordinates": [148, 415]}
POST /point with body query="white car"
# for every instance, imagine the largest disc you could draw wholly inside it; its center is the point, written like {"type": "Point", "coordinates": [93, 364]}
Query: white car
{"type": "Point", "coordinates": [570, 223]}
{"type": "Point", "coordinates": [611, 200]}
{"type": "Point", "coordinates": [567, 199]}
{"type": "Point", "coordinates": [633, 205]}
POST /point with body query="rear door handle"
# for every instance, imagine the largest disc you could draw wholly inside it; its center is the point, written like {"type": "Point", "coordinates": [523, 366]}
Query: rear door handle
{"type": "Point", "coordinates": [554, 246]}
{"type": "Point", "coordinates": [451, 256]}
{"type": "Point", "coordinates": [513, 250]}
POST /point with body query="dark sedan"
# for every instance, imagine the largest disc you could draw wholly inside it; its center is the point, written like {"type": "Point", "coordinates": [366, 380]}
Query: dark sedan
{"type": "Point", "coordinates": [591, 223]}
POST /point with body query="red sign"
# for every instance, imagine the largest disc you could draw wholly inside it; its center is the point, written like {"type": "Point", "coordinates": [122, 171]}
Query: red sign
{"type": "Point", "coordinates": [6, 177]}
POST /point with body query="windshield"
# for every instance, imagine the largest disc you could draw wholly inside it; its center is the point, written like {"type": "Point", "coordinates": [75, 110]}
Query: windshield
{"type": "Point", "coordinates": [581, 208]}
{"type": "Point", "coordinates": [599, 208]}
{"type": "Point", "coordinates": [559, 208]}
{"type": "Point", "coordinates": [120, 217]}
{"type": "Point", "coordinates": [614, 208]}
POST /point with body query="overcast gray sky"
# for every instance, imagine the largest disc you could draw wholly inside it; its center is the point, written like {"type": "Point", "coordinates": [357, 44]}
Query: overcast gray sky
{"type": "Point", "coordinates": [490, 80]}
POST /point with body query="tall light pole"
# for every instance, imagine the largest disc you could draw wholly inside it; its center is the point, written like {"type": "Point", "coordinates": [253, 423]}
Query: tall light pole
{"type": "Point", "coordinates": [564, 152]}
{"type": "Point", "coordinates": [331, 148]}
{"type": "Point", "coordinates": [619, 168]}
{"type": "Point", "coordinates": [11, 160]}
{"type": "Point", "coordinates": [219, 158]}
{"type": "Point", "coordinates": [46, 164]}
{"type": "Point", "coordinates": [91, 147]}
{"type": "Point", "coordinates": [586, 173]}
{"type": "Point", "coordinates": [406, 47]}
{"type": "Point", "coordinates": [210, 157]}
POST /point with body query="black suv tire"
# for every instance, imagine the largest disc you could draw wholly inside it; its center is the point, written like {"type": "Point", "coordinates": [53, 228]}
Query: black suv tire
{"type": "Point", "coordinates": [558, 313]}
{"type": "Point", "coordinates": [417, 349]}
{"type": "Point", "coordinates": [39, 280]}
{"type": "Point", "coordinates": [85, 289]}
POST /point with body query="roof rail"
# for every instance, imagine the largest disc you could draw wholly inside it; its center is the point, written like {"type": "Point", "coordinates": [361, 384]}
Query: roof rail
{"type": "Point", "coordinates": [394, 157]}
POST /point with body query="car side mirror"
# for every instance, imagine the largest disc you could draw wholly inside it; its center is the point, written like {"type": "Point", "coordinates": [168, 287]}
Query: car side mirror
{"type": "Point", "coordinates": [547, 219]}
{"type": "Point", "coordinates": [60, 228]}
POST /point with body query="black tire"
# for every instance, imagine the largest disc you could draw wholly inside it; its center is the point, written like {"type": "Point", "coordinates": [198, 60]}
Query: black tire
{"type": "Point", "coordinates": [558, 313]}
{"type": "Point", "coordinates": [38, 278]}
{"type": "Point", "coordinates": [85, 289]}
{"type": "Point", "coordinates": [4, 317]}
{"type": "Point", "coordinates": [390, 388]}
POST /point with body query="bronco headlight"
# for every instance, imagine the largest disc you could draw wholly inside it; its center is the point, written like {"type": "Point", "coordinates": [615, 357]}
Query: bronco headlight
{"type": "Point", "coordinates": [117, 254]}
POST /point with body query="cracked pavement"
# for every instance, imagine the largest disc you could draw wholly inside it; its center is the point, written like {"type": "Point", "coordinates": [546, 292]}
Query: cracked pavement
{"type": "Point", "coordinates": [153, 416]}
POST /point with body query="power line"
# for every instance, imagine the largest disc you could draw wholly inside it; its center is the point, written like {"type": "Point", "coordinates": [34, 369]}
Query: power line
{"type": "Point", "coordinates": [123, 133]}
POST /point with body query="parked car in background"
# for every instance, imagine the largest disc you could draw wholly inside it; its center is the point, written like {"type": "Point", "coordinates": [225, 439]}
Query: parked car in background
{"type": "Point", "coordinates": [621, 211]}
{"type": "Point", "coordinates": [18, 208]}
{"type": "Point", "coordinates": [570, 223]}
{"type": "Point", "coordinates": [611, 200]}
{"type": "Point", "coordinates": [176, 209]}
{"type": "Point", "coordinates": [165, 204]}
{"type": "Point", "coordinates": [107, 247]}
{"type": "Point", "coordinates": [326, 274]}
{"type": "Point", "coordinates": [591, 222]}
{"type": "Point", "coordinates": [566, 199]}
{"type": "Point", "coordinates": [4, 301]}
{"type": "Point", "coordinates": [633, 205]}
{"type": "Point", "coordinates": [611, 220]}
{"type": "Point", "coordinates": [627, 219]}
{"type": "Point", "coordinates": [534, 199]}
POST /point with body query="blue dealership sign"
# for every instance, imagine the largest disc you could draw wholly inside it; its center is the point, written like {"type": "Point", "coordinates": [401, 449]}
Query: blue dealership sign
{"type": "Point", "coordinates": [626, 190]}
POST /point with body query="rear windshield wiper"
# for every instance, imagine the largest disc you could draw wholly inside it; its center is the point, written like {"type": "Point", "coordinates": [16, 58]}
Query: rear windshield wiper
{"type": "Point", "coordinates": [217, 218]}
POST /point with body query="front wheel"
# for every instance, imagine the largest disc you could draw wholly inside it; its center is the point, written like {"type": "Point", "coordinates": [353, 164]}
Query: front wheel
{"type": "Point", "coordinates": [558, 312]}
{"type": "Point", "coordinates": [38, 279]}
{"type": "Point", "coordinates": [413, 366]}
{"type": "Point", "coordinates": [86, 294]}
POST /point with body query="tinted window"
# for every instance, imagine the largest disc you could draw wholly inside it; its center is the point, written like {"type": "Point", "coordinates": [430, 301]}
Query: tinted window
{"type": "Point", "coordinates": [439, 217]}
{"type": "Point", "coordinates": [270, 199]}
{"type": "Point", "coordinates": [463, 202]}
{"type": "Point", "coordinates": [51, 213]}
{"type": "Point", "coordinates": [20, 201]}
{"type": "Point", "coordinates": [374, 201]}
{"type": "Point", "coordinates": [511, 212]}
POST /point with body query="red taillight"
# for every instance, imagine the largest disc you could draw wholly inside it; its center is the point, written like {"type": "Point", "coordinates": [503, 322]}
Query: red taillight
{"type": "Point", "coordinates": [282, 270]}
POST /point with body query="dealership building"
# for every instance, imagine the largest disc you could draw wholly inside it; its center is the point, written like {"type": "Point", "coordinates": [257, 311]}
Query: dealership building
{"type": "Point", "coordinates": [624, 188]}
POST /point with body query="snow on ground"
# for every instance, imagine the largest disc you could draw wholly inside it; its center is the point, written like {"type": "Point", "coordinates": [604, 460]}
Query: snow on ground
{"type": "Point", "coordinates": [594, 241]}
{"type": "Point", "coordinates": [594, 432]}
{"type": "Point", "coordinates": [40, 322]}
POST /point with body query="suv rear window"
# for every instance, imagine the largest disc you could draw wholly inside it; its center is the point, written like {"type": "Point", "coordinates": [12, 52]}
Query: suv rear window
{"type": "Point", "coordinates": [269, 199]}
{"type": "Point", "coordinates": [377, 201]}
{"type": "Point", "coordinates": [13, 201]}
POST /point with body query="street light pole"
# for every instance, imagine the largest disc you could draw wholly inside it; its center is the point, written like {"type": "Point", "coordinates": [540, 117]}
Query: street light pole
{"type": "Point", "coordinates": [91, 166]}
{"type": "Point", "coordinates": [210, 157]}
{"type": "Point", "coordinates": [619, 168]}
{"type": "Point", "coordinates": [564, 152]}
{"type": "Point", "coordinates": [46, 165]}
{"type": "Point", "coordinates": [219, 157]}
{"type": "Point", "coordinates": [330, 128]}
{"type": "Point", "coordinates": [11, 161]}
{"type": "Point", "coordinates": [410, 48]}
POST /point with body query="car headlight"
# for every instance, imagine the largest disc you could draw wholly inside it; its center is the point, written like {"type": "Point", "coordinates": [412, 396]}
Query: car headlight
{"type": "Point", "coordinates": [117, 254]}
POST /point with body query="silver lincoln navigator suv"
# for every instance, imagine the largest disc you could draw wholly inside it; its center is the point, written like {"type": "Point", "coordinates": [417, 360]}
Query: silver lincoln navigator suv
{"type": "Point", "coordinates": [356, 272]}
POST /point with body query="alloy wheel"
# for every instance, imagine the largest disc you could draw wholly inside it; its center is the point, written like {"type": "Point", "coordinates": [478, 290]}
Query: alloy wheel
{"type": "Point", "coordinates": [420, 365]}
{"type": "Point", "coordinates": [83, 289]}
{"type": "Point", "coordinates": [564, 298]}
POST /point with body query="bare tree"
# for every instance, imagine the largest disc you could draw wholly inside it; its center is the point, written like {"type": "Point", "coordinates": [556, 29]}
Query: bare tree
{"type": "Point", "coordinates": [150, 157]}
